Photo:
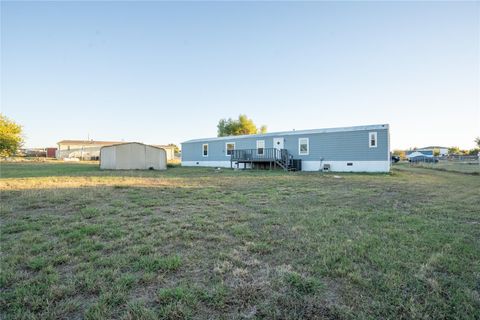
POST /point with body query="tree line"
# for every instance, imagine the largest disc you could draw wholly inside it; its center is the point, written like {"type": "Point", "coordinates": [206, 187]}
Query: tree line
{"type": "Point", "coordinates": [452, 150]}
{"type": "Point", "coordinates": [11, 138]}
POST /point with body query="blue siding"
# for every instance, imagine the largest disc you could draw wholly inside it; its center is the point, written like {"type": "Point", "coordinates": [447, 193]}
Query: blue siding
{"type": "Point", "coordinates": [328, 146]}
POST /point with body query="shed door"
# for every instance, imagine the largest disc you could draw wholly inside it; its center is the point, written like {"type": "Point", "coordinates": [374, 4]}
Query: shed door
{"type": "Point", "coordinates": [278, 143]}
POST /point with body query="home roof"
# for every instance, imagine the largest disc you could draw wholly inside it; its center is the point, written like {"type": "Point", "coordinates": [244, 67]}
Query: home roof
{"type": "Point", "coordinates": [295, 132]}
{"type": "Point", "coordinates": [90, 142]}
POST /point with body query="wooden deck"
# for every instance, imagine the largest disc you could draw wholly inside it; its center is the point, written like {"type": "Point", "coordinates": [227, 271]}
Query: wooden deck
{"type": "Point", "coordinates": [266, 157]}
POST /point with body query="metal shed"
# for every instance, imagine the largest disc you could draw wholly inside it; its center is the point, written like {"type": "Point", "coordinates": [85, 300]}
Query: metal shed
{"type": "Point", "coordinates": [131, 156]}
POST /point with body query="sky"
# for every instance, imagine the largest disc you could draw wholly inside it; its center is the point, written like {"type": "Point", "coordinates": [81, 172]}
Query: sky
{"type": "Point", "coordinates": [162, 72]}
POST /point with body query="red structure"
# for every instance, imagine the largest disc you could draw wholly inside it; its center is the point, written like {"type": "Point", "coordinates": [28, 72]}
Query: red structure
{"type": "Point", "coordinates": [51, 152]}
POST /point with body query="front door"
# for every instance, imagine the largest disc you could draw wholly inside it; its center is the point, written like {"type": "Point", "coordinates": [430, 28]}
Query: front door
{"type": "Point", "coordinates": [278, 143]}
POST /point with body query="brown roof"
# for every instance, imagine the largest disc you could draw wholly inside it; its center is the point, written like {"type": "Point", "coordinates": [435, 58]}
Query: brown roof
{"type": "Point", "coordinates": [89, 142]}
{"type": "Point", "coordinates": [163, 146]}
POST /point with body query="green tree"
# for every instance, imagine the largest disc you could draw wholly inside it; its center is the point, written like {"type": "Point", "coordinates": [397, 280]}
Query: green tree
{"type": "Point", "coordinates": [235, 127]}
{"type": "Point", "coordinates": [477, 141]}
{"type": "Point", "coordinates": [399, 153]}
{"type": "Point", "coordinates": [474, 151]}
{"type": "Point", "coordinates": [454, 150]}
{"type": "Point", "coordinates": [10, 136]}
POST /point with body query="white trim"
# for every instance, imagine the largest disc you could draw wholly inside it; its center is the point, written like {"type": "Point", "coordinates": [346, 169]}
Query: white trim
{"type": "Point", "coordinates": [263, 148]}
{"type": "Point", "coordinates": [226, 149]}
{"type": "Point", "coordinates": [308, 147]}
{"type": "Point", "coordinates": [374, 134]}
{"type": "Point", "coordinates": [342, 166]}
{"type": "Point", "coordinates": [299, 132]}
{"type": "Point", "coordinates": [203, 150]}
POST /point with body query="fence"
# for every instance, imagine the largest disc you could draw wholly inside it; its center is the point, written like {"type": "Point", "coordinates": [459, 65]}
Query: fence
{"type": "Point", "coordinates": [454, 163]}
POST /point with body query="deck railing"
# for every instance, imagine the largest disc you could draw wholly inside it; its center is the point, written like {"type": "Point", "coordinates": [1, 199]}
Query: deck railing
{"type": "Point", "coordinates": [261, 154]}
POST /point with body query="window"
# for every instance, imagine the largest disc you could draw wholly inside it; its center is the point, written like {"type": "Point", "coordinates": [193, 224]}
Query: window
{"type": "Point", "coordinates": [205, 150]}
{"type": "Point", "coordinates": [372, 139]}
{"type": "Point", "coordinates": [303, 146]}
{"type": "Point", "coordinates": [229, 147]}
{"type": "Point", "coordinates": [260, 147]}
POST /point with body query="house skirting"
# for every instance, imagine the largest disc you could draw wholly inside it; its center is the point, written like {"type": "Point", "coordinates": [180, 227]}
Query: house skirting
{"type": "Point", "coordinates": [222, 164]}
{"type": "Point", "coordinates": [347, 166]}
{"type": "Point", "coordinates": [336, 166]}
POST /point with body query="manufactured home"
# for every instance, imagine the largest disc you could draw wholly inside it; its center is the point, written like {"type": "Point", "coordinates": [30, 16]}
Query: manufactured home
{"type": "Point", "coordinates": [349, 149]}
{"type": "Point", "coordinates": [434, 150]}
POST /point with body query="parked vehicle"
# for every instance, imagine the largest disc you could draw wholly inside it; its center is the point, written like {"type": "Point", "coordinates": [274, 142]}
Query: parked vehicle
{"type": "Point", "coordinates": [395, 159]}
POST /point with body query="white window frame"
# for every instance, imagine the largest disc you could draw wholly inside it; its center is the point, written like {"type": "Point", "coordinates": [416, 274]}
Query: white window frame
{"type": "Point", "coordinates": [226, 149]}
{"type": "Point", "coordinates": [203, 149]}
{"type": "Point", "coordinates": [374, 134]}
{"type": "Point", "coordinates": [263, 147]}
{"type": "Point", "coordinates": [302, 141]}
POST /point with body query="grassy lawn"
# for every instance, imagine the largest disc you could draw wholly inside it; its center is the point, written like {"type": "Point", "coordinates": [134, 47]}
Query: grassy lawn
{"type": "Point", "coordinates": [77, 242]}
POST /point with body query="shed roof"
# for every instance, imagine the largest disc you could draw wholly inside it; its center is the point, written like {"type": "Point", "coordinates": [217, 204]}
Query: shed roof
{"type": "Point", "coordinates": [123, 143]}
{"type": "Point", "coordinates": [295, 132]}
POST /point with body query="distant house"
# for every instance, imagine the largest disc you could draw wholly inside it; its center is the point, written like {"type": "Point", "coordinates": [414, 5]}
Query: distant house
{"type": "Point", "coordinates": [133, 156]}
{"type": "Point", "coordinates": [82, 149]}
{"type": "Point", "coordinates": [169, 149]}
{"type": "Point", "coordinates": [90, 149]}
{"type": "Point", "coordinates": [442, 151]}
{"type": "Point", "coordinates": [360, 148]}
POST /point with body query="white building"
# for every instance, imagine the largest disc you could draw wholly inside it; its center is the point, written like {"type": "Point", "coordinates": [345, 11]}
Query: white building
{"type": "Point", "coordinates": [133, 156]}
{"type": "Point", "coordinates": [442, 151]}
{"type": "Point", "coordinates": [82, 149]}
{"type": "Point", "coordinates": [169, 149]}
{"type": "Point", "coordinates": [90, 149]}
